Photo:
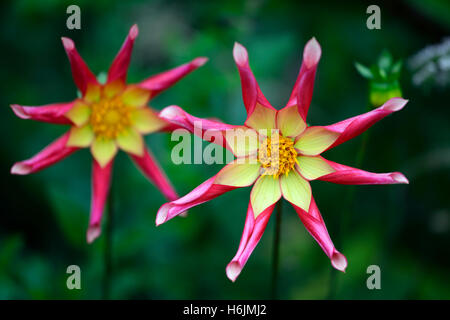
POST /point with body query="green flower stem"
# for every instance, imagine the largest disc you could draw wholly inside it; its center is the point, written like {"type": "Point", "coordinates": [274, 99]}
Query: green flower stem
{"type": "Point", "coordinates": [276, 249]}
{"type": "Point", "coordinates": [108, 246]}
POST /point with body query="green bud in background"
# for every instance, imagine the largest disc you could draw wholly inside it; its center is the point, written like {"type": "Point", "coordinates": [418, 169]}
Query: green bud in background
{"type": "Point", "coordinates": [383, 79]}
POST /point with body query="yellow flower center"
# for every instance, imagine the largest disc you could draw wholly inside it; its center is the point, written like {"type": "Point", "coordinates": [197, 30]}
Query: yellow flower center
{"type": "Point", "coordinates": [277, 156]}
{"type": "Point", "coordinates": [110, 117]}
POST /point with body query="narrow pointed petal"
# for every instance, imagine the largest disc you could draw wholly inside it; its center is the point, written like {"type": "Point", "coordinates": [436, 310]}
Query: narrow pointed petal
{"type": "Point", "coordinates": [240, 140]}
{"type": "Point", "coordinates": [348, 175]}
{"type": "Point", "coordinates": [151, 169]}
{"type": "Point", "coordinates": [313, 222]}
{"type": "Point", "coordinates": [158, 83]}
{"type": "Point", "coordinates": [253, 231]}
{"type": "Point", "coordinates": [179, 117]}
{"type": "Point", "coordinates": [119, 67]}
{"type": "Point", "coordinates": [80, 71]}
{"type": "Point", "coordinates": [101, 180]}
{"type": "Point", "coordinates": [303, 89]}
{"type": "Point", "coordinates": [53, 153]}
{"type": "Point", "coordinates": [206, 191]}
{"type": "Point", "coordinates": [51, 113]}
{"type": "Point", "coordinates": [251, 93]}
{"type": "Point", "coordinates": [352, 127]}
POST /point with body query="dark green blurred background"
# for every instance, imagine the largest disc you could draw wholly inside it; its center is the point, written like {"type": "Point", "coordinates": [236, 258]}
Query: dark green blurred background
{"type": "Point", "coordinates": [402, 228]}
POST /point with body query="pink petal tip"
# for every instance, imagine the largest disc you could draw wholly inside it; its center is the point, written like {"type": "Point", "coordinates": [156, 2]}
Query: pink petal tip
{"type": "Point", "coordinates": [312, 53]}
{"type": "Point", "coordinates": [20, 169]}
{"type": "Point", "coordinates": [395, 104]}
{"type": "Point", "coordinates": [338, 261]}
{"type": "Point", "coordinates": [134, 31]}
{"type": "Point", "coordinates": [161, 216]}
{"type": "Point", "coordinates": [240, 54]}
{"type": "Point", "coordinates": [68, 43]}
{"type": "Point", "coordinates": [170, 112]}
{"type": "Point", "coordinates": [198, 62]}
{"type": "Point", "coordinates": [400, 178]}
{"type": "Point", "coordinates": [93, 233]}
{"type": "Point", "coordinates": [19, 111]}
{"type": "Point", "coordinates": [233, 270]}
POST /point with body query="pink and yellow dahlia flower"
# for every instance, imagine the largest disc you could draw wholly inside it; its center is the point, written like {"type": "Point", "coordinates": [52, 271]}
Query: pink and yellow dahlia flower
{"type": "Point", "coordinates": [283, 159]}
{"type": "Point", "coordinates": [106, 118]}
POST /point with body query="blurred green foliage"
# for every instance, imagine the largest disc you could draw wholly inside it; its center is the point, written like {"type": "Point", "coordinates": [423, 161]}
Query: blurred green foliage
{"type": "Point", "coordinates": [403, 229]}
{"type": "Point", "coordinates": [383, 78]}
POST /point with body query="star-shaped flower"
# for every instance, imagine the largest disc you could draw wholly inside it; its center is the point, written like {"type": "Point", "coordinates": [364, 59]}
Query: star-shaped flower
{"type": "Point", "coordinates": [106, 118]}
{"type": "Point", "coordinates": [279, 154]}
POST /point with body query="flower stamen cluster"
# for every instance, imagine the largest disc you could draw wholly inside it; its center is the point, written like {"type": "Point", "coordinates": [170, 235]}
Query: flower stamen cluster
{"type": "Point", "coordinates": [110, 117]}
{"type": "Point", "coordinates": [277, 156]}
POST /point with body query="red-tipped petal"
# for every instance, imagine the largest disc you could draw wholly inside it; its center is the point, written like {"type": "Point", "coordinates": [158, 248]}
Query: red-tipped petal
{"type": "Point", "coordinates": [158, 83]}
{"type": "Point", "coordinates": [253, 231]}
{"type": "Point", "coordinates": [339, 261]}
{"type": "Point", "coordinates": [303, 89]}
{"type": "Point", "coordinates": [312, 53]}
{"type": "Point", "coordinates": [348, 175]}
{"type": "Point", "coordinates": [101, 180]}
{"type": "Point", "coordinates": [53, 153]}
{"type": "Point", "coordinates": [352, 127]}
{"type": "Point", "coordinates": [177, 116]}
{"type": "Point", "coordinates": [93, 233]}
{"type": "Point", "coordinates": [204, 192]}
{"type": "Point", "coordinates": [313, 222]}
{"type": "Point", "coordinates": [80, 71]}
{"type": "Point", "coordinates": [119, 67]}
{"type": "Point", "coordinates": [251, 93]}
{"type": "Point", "coordinates": [248, 81]}
{"type": "Point", "coordinates": [151, 169]}
{"type": "Point", "coordinates": [51, 113]}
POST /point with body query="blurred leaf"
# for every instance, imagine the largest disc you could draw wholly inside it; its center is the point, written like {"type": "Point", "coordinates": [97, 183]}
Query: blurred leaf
{"type": "Point", "coordinates": [383, 74]}
{"type": "Point", "coordinates": [435, 10]}
{"type": "Point", "coordinates": [396, 68]}
{"type": "Point", "coordinates": [71, 215]}
{"type": "Point", "coordinates": [385, 61]}
{"type": "Point", "coordinates": [9, 249]}
{"type": "Point", "coordinates": [363, 70]}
